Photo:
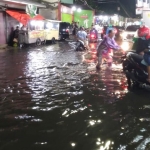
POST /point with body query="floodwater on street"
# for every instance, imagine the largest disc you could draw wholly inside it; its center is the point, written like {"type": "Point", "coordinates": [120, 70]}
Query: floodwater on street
{"type": "Point", "coordinates": [52, 98]}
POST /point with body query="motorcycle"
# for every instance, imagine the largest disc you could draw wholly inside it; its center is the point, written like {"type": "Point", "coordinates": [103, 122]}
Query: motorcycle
{"type": "Point", "coordinates": [80, 46]}
{"type": "Point", "coordinates": [135, 69]}
{"type": "Point", "coordinates": [93, 37]}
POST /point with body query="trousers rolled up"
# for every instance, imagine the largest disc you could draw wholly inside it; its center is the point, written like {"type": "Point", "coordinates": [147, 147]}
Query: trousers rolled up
{"type": "Point", "coordinates": [108, 56]}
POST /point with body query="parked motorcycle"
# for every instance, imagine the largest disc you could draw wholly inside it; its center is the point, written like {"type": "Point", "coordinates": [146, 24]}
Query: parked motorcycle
{"type": "Point", "coordinates": [135, 69]}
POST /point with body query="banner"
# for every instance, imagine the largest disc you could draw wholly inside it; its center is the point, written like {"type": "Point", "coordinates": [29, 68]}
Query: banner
{"type": "Point", "coordinates": [85, 18]}
{"type": "Point", "coordinates": [31, 10]}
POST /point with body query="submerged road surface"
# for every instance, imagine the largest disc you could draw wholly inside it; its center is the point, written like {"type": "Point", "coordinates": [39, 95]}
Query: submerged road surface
{"type": "Point", "coordinates": [52, 98]}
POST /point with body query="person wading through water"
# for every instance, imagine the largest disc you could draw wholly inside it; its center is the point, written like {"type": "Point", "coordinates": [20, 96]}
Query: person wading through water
{"type": "Point", "coordinates": [105, 49]}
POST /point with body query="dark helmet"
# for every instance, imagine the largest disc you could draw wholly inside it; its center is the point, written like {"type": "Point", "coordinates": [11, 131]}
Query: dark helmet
{"type": "Point", "coordinates": [144, 32]}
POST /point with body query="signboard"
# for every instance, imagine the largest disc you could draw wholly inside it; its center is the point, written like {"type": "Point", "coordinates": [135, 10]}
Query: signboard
{"type": "Point", "coordinates": [31, 10]}
{"type": "Point", "coordinates": [67, 1]}
{"type": "Point", "coordinates": [85, 18]}
{"type": "Point", "coordinates": [36, 34]}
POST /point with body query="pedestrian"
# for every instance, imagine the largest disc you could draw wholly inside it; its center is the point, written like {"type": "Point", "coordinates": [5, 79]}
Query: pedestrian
{"type": "Point", "coordinates": [105, 49]}
{"type": "Point", "coordinates": [15, 36]}
{"type": "Point", "coordinates": [75, 29]}
{"type": "Point", "coordinates": [21, 36]}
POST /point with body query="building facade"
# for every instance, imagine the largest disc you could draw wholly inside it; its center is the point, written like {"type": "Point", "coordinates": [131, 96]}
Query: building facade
{"type": "Point", "coordinates": [8, 23]}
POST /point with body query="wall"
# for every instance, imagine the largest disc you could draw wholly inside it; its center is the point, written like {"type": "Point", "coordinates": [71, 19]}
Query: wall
{"type": "Point", "coordinates": [2, 29]}
{"type": "Point", "coordinates": [85, 18]}
{"type": "Point", "coordinates": [49, 13]}
{"type": "Point", "coordinates": [66, 14]}
{"type": "Point", "coordinates": [66, 17]}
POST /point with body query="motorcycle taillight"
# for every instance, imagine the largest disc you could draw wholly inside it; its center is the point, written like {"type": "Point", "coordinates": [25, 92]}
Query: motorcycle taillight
{"type": "Point", "coordinates": [92, 35]}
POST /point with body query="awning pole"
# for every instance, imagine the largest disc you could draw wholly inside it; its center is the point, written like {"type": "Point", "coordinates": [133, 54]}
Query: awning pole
{"type": "Point", "coordinates": [6, 26]}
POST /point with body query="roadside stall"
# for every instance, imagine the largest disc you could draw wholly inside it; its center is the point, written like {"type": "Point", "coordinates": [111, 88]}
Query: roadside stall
{"type": "Point", "coordinates": [52, 30]}
{"type": "Point", "coordinates": [35, 27]}
{"type": "Point", "coordinates": [36, 33]}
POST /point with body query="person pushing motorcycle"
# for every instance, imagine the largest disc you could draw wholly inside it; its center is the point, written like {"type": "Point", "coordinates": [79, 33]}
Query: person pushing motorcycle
{"type": "Point", "coordinates": [82, 36]}
{"type": "Point", "coordinates": [105, 49]}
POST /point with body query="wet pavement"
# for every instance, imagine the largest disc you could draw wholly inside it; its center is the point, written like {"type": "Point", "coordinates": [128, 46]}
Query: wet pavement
{"type": "Point", "coordinates": [52, 98]}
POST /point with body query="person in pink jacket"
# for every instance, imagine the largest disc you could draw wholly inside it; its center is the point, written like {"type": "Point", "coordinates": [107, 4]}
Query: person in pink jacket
{"type": "Point", "coordinates": [105, 49]}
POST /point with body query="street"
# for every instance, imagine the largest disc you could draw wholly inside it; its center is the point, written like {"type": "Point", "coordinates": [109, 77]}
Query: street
{"type": "Point", "coordinates": [53, 98]}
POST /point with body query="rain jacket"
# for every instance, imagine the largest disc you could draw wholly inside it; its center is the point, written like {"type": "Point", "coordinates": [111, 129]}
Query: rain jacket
{"type": "Point", "coordinates": [107, 44]}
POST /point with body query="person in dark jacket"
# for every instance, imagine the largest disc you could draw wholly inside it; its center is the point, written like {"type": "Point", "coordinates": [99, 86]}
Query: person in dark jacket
{"type": "Point", "coordinates": [15, 36]}
{"type": "Point", "coordinates": [21, 36]}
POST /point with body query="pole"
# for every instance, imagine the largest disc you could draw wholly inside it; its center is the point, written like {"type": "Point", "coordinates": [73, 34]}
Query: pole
{"type": "Point", "coordinates": [59, 11]}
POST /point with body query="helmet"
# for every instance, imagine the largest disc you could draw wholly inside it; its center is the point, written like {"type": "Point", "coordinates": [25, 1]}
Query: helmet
{"type": "Point", "coordinates": [144, 32]}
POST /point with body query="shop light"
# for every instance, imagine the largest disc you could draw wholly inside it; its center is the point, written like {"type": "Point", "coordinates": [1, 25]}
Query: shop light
{"type": "Point", "coordinates": [100, 17]}
{"type": "Point", "coordinates": [79, 10]}
{"type": "Point", "coordinates": [74, 8]}
{"type": "Point", "coordinates": [115, 18]}
{"type": "Point", "coordinates": [105, 18]}
{"type": "Point", "coordinates": [33, 23]}
{"type": "Point", "coordinates": [49, 25]}
{"type": "Point", "coordinates": [41, 23]}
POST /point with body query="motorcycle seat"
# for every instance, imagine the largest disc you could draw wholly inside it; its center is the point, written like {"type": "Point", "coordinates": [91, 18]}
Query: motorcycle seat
{"type": "Point", "coordinates": [139, 59]}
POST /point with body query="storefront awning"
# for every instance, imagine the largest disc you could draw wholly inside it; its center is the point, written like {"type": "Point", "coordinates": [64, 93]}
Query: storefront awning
{"type": "Point", "coordinates": [23, 17]}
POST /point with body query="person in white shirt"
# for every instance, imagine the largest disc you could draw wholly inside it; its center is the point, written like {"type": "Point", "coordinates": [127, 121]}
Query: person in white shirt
{"type": "Point", "coordinates": [82, 35]}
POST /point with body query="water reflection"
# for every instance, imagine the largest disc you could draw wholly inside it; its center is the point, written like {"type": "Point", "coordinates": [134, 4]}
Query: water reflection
{"type": "Point", "coordinates": [53, 100]}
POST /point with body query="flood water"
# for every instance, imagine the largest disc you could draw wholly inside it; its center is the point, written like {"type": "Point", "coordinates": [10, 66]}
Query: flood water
{"type": "Point", "coordinates": [51, 99]}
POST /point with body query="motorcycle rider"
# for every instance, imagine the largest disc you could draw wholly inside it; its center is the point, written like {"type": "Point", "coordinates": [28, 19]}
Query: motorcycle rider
{"type": "Point", "coordinates": [105, 49]}
{"type": "Point", "coordinates": [82, 36]}
{"type": "Point", "coordinates": [94, 31]}
{"type": "Point", "coordinates": [143, 47]}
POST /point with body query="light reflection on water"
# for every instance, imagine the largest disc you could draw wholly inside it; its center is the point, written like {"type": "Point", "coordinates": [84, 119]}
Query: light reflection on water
{"type": "Point", "coordinates": [53, 100]}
